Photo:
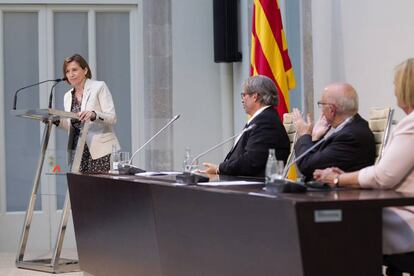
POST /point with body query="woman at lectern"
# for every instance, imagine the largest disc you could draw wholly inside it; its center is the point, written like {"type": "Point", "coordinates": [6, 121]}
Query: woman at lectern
{"type": "Point", "coordinates": [395, 170]}
{"type": "Point", "coordinates": [93, 103]}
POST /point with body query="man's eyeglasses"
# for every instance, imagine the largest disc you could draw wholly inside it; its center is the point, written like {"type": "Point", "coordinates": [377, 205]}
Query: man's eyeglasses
{"type": "Point", "coordinates": [320, 104]}
{"type": "Point", "coordinates": [244, 94]}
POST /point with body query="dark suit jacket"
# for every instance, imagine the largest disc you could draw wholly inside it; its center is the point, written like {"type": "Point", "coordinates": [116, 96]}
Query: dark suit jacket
{"type": "Point", "coordinates": [249, 156]}
{"type": "Point", "coordinates": [351, 148]}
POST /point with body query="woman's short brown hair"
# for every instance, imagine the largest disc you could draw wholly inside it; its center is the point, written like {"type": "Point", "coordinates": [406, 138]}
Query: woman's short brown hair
{"type": "Point", "coordinates": [79, 60]}
{"type": "Point", "coordinates": [404, 83]}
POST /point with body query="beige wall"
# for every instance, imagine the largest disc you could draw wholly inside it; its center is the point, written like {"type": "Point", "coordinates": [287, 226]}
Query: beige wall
{"type": "Point", "coordinates": [361, 42]}
{"type": "Point", "coordinates": [206, 94]}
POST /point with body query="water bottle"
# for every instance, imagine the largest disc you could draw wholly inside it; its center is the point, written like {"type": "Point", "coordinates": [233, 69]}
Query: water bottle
{"type": "Point", "coordinates": [114, 159]}
{"type": "Point", "coordinates": [187, 160]}
{"type": "Point", "coordinates": [270, 166]}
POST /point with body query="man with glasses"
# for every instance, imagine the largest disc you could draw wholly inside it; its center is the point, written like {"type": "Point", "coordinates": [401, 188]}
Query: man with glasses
{"type": "Point", "coordinates": [348, 142]}
{"type": "Point", "coordinates": [249, 154]}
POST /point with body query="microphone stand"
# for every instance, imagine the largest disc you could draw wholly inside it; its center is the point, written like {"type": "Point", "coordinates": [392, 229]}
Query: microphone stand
{"type": "Point", "coordinates": [31, 85]}
{"type": "Point", "coordinates": [153, 137]}
{"type": "Point", "coordinates": [285, 186]}
{"type": "Point", "coordinates": [129, 168]}
{"type": "Point", "coordinates": [222, 143]}
{"type": "Point", "coordinates": [191, 178]}
{"type": "Point", "coordinates": [346, 122]}
{"type": "Point", "coordinates": [287, 167]}
{"type": "Point", "coordinates": [51, 91]}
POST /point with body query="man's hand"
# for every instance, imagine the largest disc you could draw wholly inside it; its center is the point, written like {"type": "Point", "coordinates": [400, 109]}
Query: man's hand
{"type": "Point", "coordinates": [320, 128]}
{"type": "Point", "coordinates": [210, 168]}
{"type": "Point", "coordinates": [301, 126]}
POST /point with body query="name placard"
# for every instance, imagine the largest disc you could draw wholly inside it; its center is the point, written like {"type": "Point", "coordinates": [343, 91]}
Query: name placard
{"type": "Point", "coordinates": [332, 215]}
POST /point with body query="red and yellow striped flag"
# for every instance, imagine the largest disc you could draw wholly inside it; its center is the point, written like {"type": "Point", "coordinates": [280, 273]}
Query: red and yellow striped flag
{"type": "Point", "coordinates": [269, 55]}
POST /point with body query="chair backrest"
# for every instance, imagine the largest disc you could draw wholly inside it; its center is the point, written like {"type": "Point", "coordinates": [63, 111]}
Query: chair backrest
{"type": "Point", "coordinates": [291, 131]}
{"type": "Point", "coordinates": [380, 121]}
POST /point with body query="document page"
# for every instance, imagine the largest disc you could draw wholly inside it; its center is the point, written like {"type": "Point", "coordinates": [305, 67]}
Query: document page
{"type": "Point", "coordinates": [230, 183]}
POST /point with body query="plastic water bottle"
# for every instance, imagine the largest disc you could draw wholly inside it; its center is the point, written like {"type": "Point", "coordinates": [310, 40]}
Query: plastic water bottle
{"type": "Point", "coordinates": [270, 165]}
{"type": "Point", "coordinates": [187, 160]}
{"type": "Point", "coordinates": [274, 168]}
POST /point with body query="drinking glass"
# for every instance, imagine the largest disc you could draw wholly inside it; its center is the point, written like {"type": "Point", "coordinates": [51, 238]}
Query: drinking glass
{"type": "Point", "coordinates": [123, 158]}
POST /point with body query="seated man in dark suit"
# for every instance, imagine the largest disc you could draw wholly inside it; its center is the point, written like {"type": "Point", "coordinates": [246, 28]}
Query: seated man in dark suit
{"type": "Point", "coordinates": [248, 156]}
{"type": "Point", "coordinates": [348, 142]}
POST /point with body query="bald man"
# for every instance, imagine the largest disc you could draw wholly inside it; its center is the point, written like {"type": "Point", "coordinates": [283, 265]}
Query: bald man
{"type": "Point", "coordinates": [348, 142]}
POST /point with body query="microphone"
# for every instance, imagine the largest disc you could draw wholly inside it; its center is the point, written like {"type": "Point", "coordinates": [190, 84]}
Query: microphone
{"type": "Point", "coordinates": [129, 168]}
{"type": "Point", "coordinates": [51, 90]}
{"type": "Point", "coordinates": [31, 85]}
{"type": "Point", "coordinates": [287, 167]}
{"type": "Point", "coordinates": [222, 143]}
{"type": "Point", "coordinates": [288, 186]}
{"type": "Point", "coordinates": [190, 178]}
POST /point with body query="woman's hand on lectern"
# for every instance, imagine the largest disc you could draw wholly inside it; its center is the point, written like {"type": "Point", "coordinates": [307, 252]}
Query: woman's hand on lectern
{"type": "Point", "coordinates": [87, 116]}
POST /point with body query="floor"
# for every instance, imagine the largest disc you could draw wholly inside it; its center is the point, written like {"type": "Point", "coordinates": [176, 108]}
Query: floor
{"type": "Point", "coordinates": [8, 267]}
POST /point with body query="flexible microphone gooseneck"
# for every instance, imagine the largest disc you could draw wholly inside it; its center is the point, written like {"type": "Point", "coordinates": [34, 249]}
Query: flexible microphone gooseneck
{"type": "Point", "coordinates": [222, 143]}
{"type": "Point", "coordinates": [128, 168]}
{"type": "Point", "coordinates": [153, 137]}
{"type": "Point", "coordinates": [190, 178]}
{"type": "Point", "coordinates": [287, 167]}
{"type": "Point", "coordinates": [51, 90]}
{"type": "Point", "coordinates": [31, 85]}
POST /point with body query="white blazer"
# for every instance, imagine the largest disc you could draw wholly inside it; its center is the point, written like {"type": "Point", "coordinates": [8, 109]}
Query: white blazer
{"type": "Point", "coordinates": [98, 98]}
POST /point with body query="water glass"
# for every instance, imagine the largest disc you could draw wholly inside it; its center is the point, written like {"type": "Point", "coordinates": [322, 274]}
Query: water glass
{"type": "Point", "coordinates": [192, 167]}
{"type": "Point", "coordinates": [280, 166]}
{"type": "Point", "coordinates": [123, 158]}
{"type": "Point", "coordinates": [114, 162]}
{"type": "Point", "coordinates": [119, 158]}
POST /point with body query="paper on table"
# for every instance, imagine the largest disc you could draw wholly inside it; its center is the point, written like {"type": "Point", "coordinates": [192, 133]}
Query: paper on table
{"type": "Point", "coordinates": [229, 183]}
{"type": "Point", "coordinates": [156, 173]}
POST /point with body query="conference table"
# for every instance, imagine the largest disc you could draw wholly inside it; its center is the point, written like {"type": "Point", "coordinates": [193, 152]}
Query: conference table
{"type": "Point", "coordinates": [138, 225]}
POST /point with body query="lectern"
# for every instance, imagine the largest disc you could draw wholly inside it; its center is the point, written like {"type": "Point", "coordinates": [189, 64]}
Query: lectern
{"type": "Point", "coordinates": [55, 264]}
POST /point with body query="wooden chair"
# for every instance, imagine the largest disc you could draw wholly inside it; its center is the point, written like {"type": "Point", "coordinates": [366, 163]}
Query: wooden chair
{"type": "Point", "coordinates": [380, 121]}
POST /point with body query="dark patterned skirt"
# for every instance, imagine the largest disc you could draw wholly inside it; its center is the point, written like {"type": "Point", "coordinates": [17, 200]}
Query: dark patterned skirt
{"type": "Point", "coordinates": [89, 165]}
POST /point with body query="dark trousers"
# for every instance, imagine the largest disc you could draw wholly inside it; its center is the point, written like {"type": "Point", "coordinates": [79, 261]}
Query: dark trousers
{"type": "Point", "coordinates": [398, 263]}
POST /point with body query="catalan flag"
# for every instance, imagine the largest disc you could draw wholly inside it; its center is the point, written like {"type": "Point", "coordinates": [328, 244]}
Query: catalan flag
{"type": "Point", "coordinates": [269, 54]}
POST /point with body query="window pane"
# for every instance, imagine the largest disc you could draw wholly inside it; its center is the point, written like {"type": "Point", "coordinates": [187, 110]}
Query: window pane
{"type": "Point", "coordinates": [113, 67]}
{"type": "Point", "coordinates": [70, 37]}
{"type": "Point", "coordinates": [22, 136]}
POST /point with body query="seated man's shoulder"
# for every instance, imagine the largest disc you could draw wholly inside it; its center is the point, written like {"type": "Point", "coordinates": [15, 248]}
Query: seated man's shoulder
{"type": "Point", "coordinates": [362, 128]}
{"type": "Point", "coordinates": [358, 126]}
{"type": "Point", "coordinates": [358, 136]}
{"type": "Point", "coordinates": [358, 133]}
{"type": "Point", "coordinates": [270, 115]}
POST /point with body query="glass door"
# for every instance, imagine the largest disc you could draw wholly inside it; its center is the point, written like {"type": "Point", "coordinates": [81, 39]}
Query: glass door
{"type": "Point", "coordinates": [36, 39]}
